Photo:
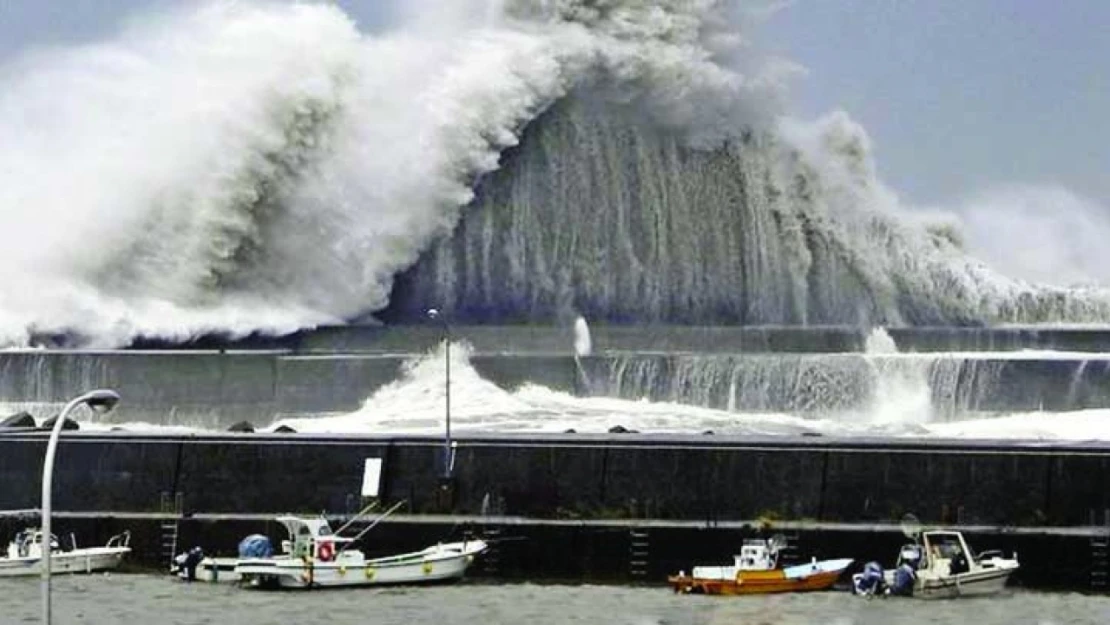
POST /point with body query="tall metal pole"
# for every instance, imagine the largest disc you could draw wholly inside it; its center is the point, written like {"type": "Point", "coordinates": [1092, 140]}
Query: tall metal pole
{"type": "Point", "coordinates": [448, 453]}
{"type": "Point", "coordinates": [447, 450]}
{"type": "Point", "coordinates": [100, 399]}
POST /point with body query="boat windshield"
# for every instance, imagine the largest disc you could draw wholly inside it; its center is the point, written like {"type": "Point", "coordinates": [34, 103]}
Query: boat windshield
{"type": "Point", "coordinates": [949, 546]}
{"type": "Point", "coordinates": [945, 545]}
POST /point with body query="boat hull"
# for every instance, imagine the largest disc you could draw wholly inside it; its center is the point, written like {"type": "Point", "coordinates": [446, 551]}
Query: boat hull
{"type": "Point", "coordinates": [969, 584]}
{"type": "Point", "coordinates": [330, 574]}
{"type": "Point", "coordinates": [963, 585]}
{"type": "Point", "coordinates": [436, 565]}
{"type": "Point", "coordinates": [211, 570]}
{"type": "Point", "coordinates": [753, 583]}
{"type": "Point", "coordinates": [84, 561]}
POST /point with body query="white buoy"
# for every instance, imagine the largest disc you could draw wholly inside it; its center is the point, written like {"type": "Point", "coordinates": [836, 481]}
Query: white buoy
{"type": "Point", "coordinates": [582, 345]}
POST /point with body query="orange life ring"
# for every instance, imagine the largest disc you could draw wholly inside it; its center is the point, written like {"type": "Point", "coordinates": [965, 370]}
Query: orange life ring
{"type": "Point", "coordinates": [325, 551]}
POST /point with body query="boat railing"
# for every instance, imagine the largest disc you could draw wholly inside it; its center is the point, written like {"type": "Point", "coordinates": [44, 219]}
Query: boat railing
{"type": "Point", "coordinates": [381, 517]}
{"type": "Point", "coordinates": [989, 554]}
{"type": "Point", "coordinates": [123, 539]}
{"type": "Point", "coordinates": [358, 515]}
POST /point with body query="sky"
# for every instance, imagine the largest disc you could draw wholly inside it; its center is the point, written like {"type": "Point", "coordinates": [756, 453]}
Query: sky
{"type": "Point", "coordinates": [959, 96]}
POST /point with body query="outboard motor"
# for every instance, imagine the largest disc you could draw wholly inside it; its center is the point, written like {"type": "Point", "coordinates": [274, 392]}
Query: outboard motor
{"type": "Point", "coordinates": [23, 544]}
{"type": "Point", "coordinates": [904, 577]}
{"type": "Point", "coordinates": [255, 546]}
{"type": "Point", "coordinates": [870, 582]}
{"type": "Point", "coordinates": [188, 562]}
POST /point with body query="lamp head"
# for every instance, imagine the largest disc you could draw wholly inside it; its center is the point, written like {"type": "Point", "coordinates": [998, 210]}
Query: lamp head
{"type": "Point", "coordinates": [102, 401]}
{"type": "Point", "coordinates": [433, 313]}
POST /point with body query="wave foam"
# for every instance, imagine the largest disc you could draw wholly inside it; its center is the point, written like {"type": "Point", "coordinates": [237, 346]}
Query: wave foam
{"type": "Point", "coordinates": [254, 166]}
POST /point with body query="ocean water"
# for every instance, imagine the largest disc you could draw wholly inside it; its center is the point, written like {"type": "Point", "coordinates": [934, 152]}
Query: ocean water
{"type": "Point", "coordinates": [121, 599]}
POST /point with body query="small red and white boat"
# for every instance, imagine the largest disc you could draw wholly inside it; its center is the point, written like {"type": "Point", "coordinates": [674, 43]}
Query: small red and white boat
{"type": "Point", "coordinates": [756, 571]}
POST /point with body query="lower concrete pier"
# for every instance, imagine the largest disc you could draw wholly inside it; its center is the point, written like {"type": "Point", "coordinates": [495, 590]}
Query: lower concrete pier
{"type": "Point", "coordinates": [571, 503]}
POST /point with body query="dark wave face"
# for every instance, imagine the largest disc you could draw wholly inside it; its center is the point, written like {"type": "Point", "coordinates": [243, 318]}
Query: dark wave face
{"type": "Point", "coordinates": [604, 211]}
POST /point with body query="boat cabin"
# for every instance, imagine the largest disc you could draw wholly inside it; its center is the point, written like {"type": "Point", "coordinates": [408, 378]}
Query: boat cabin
{"type": "Point", "coordinates": [303, 535]}
{"type": "Point", "coordinates": [755, 555]}
{"type": "Point", "coordinates": [28, 544]}
{"type": "Point", "coordinates": [945, 552]}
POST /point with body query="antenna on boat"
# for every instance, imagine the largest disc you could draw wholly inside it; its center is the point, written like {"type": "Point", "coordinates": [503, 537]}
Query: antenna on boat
{"type": "Point", "coordinates": [448, 447]}
{"type": "Point", "coordinates": [776, 543]}
{"type": "Point", "coordinates": [911, 527]}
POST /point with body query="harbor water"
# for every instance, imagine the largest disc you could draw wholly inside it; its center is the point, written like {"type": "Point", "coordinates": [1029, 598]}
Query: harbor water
{"type": "Point", "coordinates": [129, 599]}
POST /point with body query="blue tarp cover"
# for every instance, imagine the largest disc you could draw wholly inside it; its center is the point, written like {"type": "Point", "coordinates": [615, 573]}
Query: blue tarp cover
{"type": "Point", "coordinates": [255, 546]}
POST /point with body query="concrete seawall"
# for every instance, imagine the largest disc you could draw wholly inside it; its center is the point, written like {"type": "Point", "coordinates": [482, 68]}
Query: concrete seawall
{"type": "Point", "coordinates": [213, 390]}
{"type": "Point", "coordinates": [696, 478]}
{"type": "Point", "coordinates": [216, 389]}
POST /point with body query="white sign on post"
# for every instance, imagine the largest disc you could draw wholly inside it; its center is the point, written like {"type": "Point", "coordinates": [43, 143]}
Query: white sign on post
{"type": "Point", "coordinates": [371, 477]}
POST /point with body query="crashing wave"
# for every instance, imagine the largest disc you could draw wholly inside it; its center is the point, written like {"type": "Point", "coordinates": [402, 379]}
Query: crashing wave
{"type": "Point", "coordinates": [244, 167]}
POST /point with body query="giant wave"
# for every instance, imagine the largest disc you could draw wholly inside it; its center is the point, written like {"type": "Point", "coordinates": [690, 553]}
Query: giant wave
{"type": "Point", "coordinates": [243, 167]}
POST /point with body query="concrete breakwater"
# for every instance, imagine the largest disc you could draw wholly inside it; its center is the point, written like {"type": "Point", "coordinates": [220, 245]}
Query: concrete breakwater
{"type": "Point", "coordinates": [214, 389]}
{"type": "Point", "coordinates": [694, 495]}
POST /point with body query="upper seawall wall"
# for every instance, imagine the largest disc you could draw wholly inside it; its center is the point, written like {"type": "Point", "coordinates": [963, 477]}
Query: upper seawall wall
{"type": "Point", "coordinates": [214, 390]}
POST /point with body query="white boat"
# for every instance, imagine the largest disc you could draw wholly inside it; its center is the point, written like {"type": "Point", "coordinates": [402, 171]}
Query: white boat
{"type": "Point", "coordinates": [938, 565]}
{"type": "Point", "coordinates": [315, 556]}
{"type": "Point", "coordinates": [25, 551]}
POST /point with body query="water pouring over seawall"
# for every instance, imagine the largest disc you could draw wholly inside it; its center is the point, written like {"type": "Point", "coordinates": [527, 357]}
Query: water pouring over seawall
{"type": "Point", "coordinates": [508, 379]}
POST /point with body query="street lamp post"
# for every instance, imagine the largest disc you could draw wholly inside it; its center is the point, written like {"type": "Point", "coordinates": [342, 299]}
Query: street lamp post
{"type": "Point", "coordinates": [101, 401]}
{"type": "Point", "coordinates": [448, 451]}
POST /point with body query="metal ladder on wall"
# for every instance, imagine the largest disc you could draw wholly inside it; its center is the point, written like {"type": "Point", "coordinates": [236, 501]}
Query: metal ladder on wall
{"type": "Point", "coordinates": [171, 509]}
{"type": "Point", "coordinates": [1100, 562]}
{"type": "Point", "coordinates": [491, 559]}
{"type": "Point", "coordinates": [639, 552]}
{"type": "Point", "coordinates": [1099, 545]}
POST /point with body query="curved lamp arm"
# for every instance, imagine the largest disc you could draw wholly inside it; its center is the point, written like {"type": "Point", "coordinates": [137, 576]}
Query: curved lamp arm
{"type": "Point", "coordinates": [102, 401]}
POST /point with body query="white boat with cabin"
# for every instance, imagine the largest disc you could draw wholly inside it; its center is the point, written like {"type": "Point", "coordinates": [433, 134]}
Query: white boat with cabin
{"type": "Point", "coordinates": [940, 564]}
{"type": "Point", "coordinates": [314, 556]}
{"type": "Point", "coordinates": [25, 552]}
